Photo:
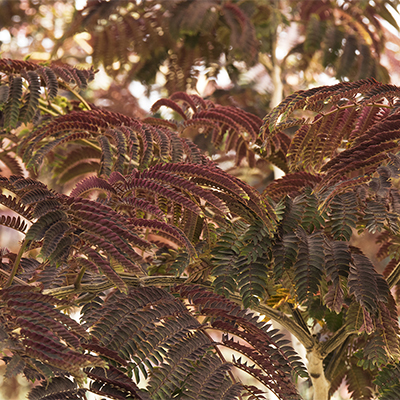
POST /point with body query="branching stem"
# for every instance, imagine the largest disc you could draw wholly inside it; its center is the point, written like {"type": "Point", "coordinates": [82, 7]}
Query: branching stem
{"type": "Point", "coordinates": [335, 341]}
{"type": "Point", "coordinates": [78, 96]}
{"type": "Point", "coordinates": [293, 327]}
{"type": "Point", "coordinates": [78, 280]}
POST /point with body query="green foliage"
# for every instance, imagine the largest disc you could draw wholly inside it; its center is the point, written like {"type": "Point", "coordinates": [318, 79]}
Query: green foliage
{"type": "Point", "coordinates": [351, 193]}
{"type": "Point", "coordinates": [388, 382]}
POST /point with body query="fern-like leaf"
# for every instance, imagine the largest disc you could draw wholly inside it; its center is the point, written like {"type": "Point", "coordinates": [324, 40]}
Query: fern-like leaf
{"type": "Point", "coordinates": [359, 382]}
{"type": "Point", "coordinates": [363, 282]}
{"type": "Point", "coordinates": [338, 259]}
{"type": "Point", "coordinates": [114, 384]}
{"type": "Point", "coordinates": [14, 223]}
{"type": "Point", "coordinates": [59, 386]}
{"type": "Point", "coordinates": [309, 264]}
{"type": "Point", "coordinates": [11, 109]}
{"type": "Point", "coordinates": [32, 101]}
{"type": "Point", "coordinates": [388, 382]}
{"type": "Point", "coordinates": [343, 215]}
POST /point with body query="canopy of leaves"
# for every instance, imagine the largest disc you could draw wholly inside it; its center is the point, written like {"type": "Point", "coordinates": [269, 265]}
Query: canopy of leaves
{"type": "Point", "coordinates": [162, 251]}
{"type": "Point", "coordinates": [148, 211]}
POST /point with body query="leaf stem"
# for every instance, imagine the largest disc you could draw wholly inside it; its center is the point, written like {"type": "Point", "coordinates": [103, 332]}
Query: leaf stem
{"type": "Point", "coordinates": [90, 144]}
{"type": "Point", "coordinates": [46, 110]}
{"type": "Point", "coordinates": [130, 280]}
{"type": "Point", "coordinates": [16, 263]}
{"type": "Point", "coordinates": [78, 96]}
{"type": "Point", "coordinates": [394, 276]}
{"type": "Point", "coordinates": [353, 106]}
{"type": "Point", "coordinates": [18, 280]}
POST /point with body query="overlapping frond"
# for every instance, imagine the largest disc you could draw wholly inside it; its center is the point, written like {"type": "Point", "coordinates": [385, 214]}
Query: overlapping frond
{"type": "Point", "coordinates": [155, 209]}
{"type": "Point", "coordinates": [44, 334]}
{"type": "Point", "coordinates": [114, 383]}
{"type": "Point", "coordinates": [62, 223]}
{"type": "Point", "coordinates": [312, 258]}
{"type": "Point", "coordinates": [58, 386]}
{"type": "Point", "coordinates": [138, 327]}
{"type": "Point", "coordinates": [224, 259]}
{"type": "Point", "coordinates": [20, 104]}
{"type": "Point", "coordinates": [340, 109]}
{"type": "Point", "coordinates": [388, 382]}
{"type": "Point", "coordinates": [229, 128]}
{"type": "Point", "coordinates": [241, 261]}
{"type": "Point", "coordinates": [346, 37]}
{"type": "Point", "coordinates": [237, 323]}
{"type": "Point", "coordinates": [122, 143]}
{"type": "Point", "coordinates": [165, 205]}
{"type": "Point", "coordinates": [358, 381]}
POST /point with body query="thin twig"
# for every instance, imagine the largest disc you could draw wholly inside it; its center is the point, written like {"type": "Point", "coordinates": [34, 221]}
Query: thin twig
{"type": "Point", "coordinates": [339, 108]}
{"type": "Point", "coordinates": [335, 340]}
{"type": "Point", "coordinates": [77, 95]}
{"type": "Point", "coordinates": [16, 264]}
{"type": "Point", "coordinates": [130, 280]}
{"type": "Point", "coordinates": [77, 283]}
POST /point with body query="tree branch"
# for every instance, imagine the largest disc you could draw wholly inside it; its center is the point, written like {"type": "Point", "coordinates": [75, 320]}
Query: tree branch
{"type": "Point", "coordinates": [335, 341]}
{"type": "Point", "coordinates": [315, 367]}
{"type": "Point", "coordinates": [16, 279]}
{"type": "Point", "coordinates": [288, 323]}
{"type": "Point", "coordinates": [130, 280]}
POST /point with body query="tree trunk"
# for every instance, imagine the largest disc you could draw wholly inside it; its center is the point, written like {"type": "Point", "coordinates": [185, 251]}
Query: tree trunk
{"type": "Point", "coordinates": [320, 384]}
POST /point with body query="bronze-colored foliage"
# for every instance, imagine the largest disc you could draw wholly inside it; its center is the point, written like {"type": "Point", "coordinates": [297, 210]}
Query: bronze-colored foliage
{"type": "Point", "coordinates": [342, 180]}
{"type": "Point", "coordinates": [21, 99]}
{"type": "Point", "coordinates": [160, 248]}
{"type": "Point", "coordinates": [22, 106]}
